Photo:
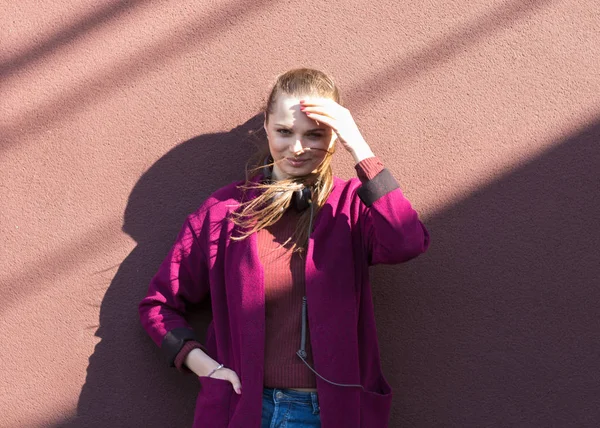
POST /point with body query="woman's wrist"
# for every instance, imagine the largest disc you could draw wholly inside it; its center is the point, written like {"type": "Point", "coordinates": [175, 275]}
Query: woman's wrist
{"type": "Point", "coordinates": [361, 153]}
{"type": "Point", "coordinates": [200, 363]}
{"type": "Point", "coordinates": [220, 366]}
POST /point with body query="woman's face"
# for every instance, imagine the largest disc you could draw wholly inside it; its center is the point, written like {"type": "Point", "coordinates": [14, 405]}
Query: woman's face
{"type": "Point", "coordinates": [297, 144]}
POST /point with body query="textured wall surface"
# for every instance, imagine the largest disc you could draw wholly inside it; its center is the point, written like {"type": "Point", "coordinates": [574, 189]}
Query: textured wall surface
{"type": "Point", "coordinates": [117, 118]}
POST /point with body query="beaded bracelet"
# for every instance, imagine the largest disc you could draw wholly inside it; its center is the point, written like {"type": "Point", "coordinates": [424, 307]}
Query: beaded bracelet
{"type": "Point", "coordinates": [214, 370]}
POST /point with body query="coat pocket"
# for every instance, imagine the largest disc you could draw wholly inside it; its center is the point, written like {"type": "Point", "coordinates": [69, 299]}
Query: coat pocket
{"type": "Point", "coordinates": [375, 407]}
{"type": "Point", "coordinates": [212, 404]}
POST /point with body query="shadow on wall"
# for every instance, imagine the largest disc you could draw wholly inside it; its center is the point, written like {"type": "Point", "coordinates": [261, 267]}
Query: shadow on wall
{"type": "Point", "coordinates": [497, 325]}
{"type": "Point", "coordinates": [128, 381]}
{"type": "Point", "coordinates": [101, 16]}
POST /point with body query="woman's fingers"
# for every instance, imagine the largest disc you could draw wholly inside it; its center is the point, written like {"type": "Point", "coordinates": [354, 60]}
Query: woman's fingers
{"type": "Point", "coordinates": [231, 377]}
{"type": "Point", "coordinates": [333, 111]}
{"type": "Point", "coordinates": [321, 114]}
{"type": "Point", "coordinates": [235, 382]}
{"type": "Point", "coordinates": [320, 118]}
{"type": "Point", "coordinates": [319, 111]}
{"type": "Point", "coordinates": [318, 101]}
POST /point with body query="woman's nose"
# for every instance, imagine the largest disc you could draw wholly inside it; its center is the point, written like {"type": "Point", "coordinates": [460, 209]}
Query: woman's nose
{"type": "Point", "coordinates": [297, 146]}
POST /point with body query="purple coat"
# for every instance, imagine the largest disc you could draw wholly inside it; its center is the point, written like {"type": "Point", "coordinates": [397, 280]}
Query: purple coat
{"type": "Point", "coordinates": [359, 226]}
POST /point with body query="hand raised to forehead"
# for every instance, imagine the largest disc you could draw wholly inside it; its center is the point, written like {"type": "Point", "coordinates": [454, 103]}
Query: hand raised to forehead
{"type": "Point", "coordinates": [340, 120]}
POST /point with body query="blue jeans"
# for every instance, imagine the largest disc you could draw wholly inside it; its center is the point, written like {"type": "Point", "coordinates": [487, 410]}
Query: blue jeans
{"type": "Point", "coordinates": [286, 408]}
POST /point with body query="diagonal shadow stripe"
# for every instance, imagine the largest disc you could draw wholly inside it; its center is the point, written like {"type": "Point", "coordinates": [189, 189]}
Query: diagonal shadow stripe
{"type": "Point", "coordinates": [52, 44]}
{"type": "Point", "coordinates": [100, 86]}
{"type": "Point", "coordinates": [392, 77]}
{"type": "Point", "coordinates": [408, 68]}
{"type": "Point", "coordinates": [61, 261]}
{"type": "Point", "coordinates": [505, 302]}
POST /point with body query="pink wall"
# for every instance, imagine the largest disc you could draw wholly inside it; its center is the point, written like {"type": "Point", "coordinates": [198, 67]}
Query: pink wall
{"type": "Point", "coordinates": [118, 118]}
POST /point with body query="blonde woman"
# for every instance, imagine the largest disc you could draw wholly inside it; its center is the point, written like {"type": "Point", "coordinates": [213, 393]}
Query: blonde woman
{"type": "Point", "coordinates": [285, 258]}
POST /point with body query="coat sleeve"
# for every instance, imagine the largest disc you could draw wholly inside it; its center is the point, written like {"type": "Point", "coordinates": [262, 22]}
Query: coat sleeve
{"type": "Point", "coordinates": [182, 278]}
{"type": "Point", "coordinates": [391, 229]}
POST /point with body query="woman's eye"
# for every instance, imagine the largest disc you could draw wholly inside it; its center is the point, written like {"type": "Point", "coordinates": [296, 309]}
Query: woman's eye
{"type": "Point", "coordinates": [315, 136]}
{"type": "Point", "coordinates": [284, 131]}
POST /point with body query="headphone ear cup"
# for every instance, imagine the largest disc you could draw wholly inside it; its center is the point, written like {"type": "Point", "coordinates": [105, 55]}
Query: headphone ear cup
{"type": "Point", "coordinates": [302, 199]}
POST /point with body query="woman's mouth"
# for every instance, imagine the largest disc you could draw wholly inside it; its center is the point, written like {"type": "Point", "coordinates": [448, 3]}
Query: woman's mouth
{"type": "Point", "coordinates": [297, 162]}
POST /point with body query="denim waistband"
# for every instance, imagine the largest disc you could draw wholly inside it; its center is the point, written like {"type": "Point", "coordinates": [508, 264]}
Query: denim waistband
{"type": "Point", "coordinates": [279, 395]}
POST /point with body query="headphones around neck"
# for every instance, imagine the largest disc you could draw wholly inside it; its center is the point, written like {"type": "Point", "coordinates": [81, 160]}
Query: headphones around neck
{"type": "Point", "coordinates": [302, 198]}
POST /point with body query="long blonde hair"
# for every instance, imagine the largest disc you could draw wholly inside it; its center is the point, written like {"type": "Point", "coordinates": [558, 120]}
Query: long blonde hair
{"type": "Point", "coordinates": [274, 197]}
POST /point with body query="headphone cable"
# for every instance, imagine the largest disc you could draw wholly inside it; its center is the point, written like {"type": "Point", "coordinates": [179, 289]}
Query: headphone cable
{"type": "Point", "coordinates": [302, 351]}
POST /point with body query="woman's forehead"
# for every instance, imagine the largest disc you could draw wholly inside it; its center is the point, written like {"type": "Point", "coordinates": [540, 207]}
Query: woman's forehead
{"type": "Point", "coordinates": [285, 103]}
{"type": "Point", "coordinates": [286, 111]}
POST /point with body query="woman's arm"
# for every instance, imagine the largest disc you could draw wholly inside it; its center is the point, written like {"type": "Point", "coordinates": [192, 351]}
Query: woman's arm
{"type": "Point", "coordinates": [390, 227]}
{"type": "Point", "coordinates": [392, 240]}
{"type": "Point", "coordinates": [182, 278]}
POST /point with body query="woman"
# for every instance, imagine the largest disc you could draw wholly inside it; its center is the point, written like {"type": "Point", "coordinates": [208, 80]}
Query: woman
{"type": "Point", "coordinates": [285, 257]}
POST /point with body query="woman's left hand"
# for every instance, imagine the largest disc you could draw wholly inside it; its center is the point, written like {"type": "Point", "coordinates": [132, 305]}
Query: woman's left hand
{"type": "Point", "coordinates": [339, 119]}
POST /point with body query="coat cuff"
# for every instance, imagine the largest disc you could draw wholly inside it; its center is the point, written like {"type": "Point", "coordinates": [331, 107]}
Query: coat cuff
{"type": "Point", "coordinates": [368, 168]}
{"type": "Point", "coordinates": [174, 341]}
{"type": "Point", "coordinates": [184, 352]}
{"type": "Point", "coordinates": [382, 184]}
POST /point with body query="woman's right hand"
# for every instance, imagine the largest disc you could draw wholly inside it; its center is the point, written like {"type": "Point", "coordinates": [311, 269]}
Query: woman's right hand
{"type": "Point", "coordinates": [201, 364]}
{"type": "Point", "coordinates": [229, 376]}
